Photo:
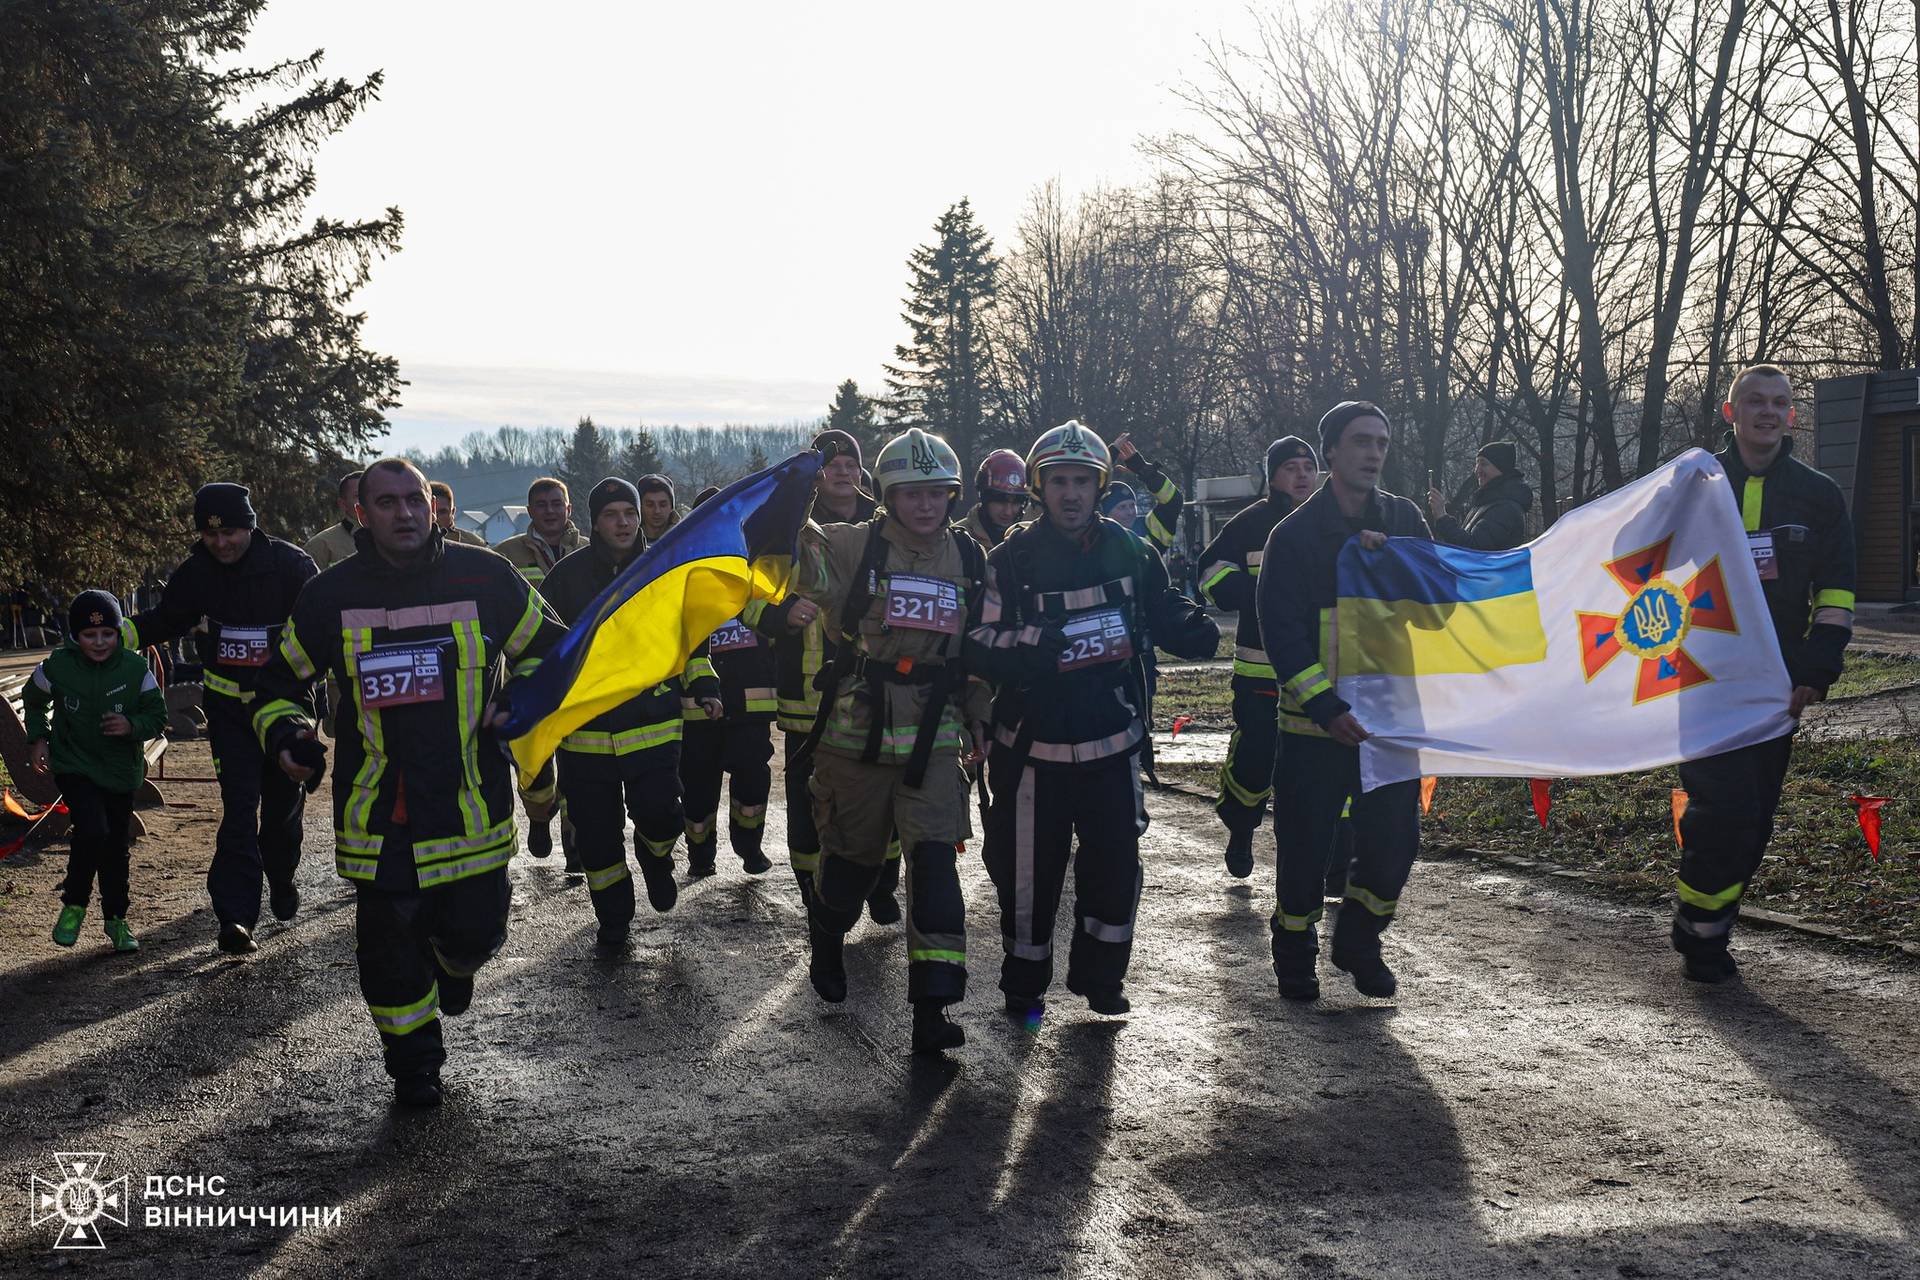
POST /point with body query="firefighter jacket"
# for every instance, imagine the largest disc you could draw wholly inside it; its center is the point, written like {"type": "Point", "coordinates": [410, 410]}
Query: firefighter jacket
{"type": "Point", "coordinates": [1298, 592]}
{"type": "Point", "coordinates": [245, 605]}
{"type": "Point", "coordinates": [535, 557]}
{"type": "Point", "coordinates": [1802, 545]}
{"type": "Point", "coordinates": [905, 642]}
{"type": "Point", "coordinates": [78, 691]}
{"type": "Point", "coordinates": [1159, 523]}
{"type": "Point", "coordinates": [798, 656]}
{"type": "Point", "coordinates": [984, 531]}
{"type": "Point", "coordinates": [1062, 633]}
{"type": "Point", "coordinates": [614, 745]}
{"type": "Point", "coordinates": [1495, 519]}
{"type": "Point", "coordinates": [422, 790]}
{"type": "Point", "coordinates": [1230, 578]}
{"type": "Point", "coordinates": [742, 660]}
{"type": "Point", "coordinates": [331, 545]}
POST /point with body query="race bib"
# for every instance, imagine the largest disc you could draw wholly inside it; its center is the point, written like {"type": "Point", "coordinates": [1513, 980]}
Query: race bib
{"type": "Point", "coordinates": [1093, 637]}
{"type": "Point", "coordinates": [397, 675]}
{"type": "Point", "coordinates": [1765, 562]}
{"type": "Point", "coordinates": [241, 647]}
{"type": "Point", "coordinates": [923, 604]}
{"type": "Point", "coordinates": [732, 635]}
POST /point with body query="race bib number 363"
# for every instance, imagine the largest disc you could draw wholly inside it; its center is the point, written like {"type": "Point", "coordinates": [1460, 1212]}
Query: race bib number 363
{"type": "Point", "coordinates": [242, 647]}
{"type": "Point", "coordinates": [392, 677]}
{"type": "Point", "coordinates": [923, 604]}
{"type": "Point", "coordinates": [1094, 637]}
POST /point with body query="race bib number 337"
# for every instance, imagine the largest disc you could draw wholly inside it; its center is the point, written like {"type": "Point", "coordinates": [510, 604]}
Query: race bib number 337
{"type": "Point", "coordinates": [402, 674]}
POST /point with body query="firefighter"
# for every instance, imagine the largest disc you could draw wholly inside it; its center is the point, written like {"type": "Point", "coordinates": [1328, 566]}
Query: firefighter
{"type": "Point", "coordinates": [443, 513]}
{"type": "Point", "coordinates": [1320, 738]}
{"type": "Point", "coordinates": [897, 715]}
{"type": "Point", "coordinates": [1070, 598]}
{"type": "Point", "coordinates": [243, 583]}
{"type": "Point", "coordinates": [1121, 503]}
{"type": "Point", "coordinates": [801, 649]}
{"type": "Point", "coordinates": [624, 763]}
{"type": "Point", "coordinates": [551, 536]}
{"type": "Point", "coordinates": [335, 542]}
{"type": "Point", "coordinates": [738, 746]}
{"type": "Point", "coordinates": [1000, 482]}
{"type": "Point", "coordinates": [1803, 547]}
{"type": "Point", "coordinates": [416, 628]}
{"type": "Point", "coordinates": [1229, 576]}
{"type": "Point", "coordinates": [657, 512]}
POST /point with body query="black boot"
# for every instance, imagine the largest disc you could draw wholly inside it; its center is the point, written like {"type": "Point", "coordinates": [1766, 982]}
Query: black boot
{"type": "Point", "coordinates": [932, 1033]}
{"type": "Point", "coordinates": [1240, 854]}
{"type": "Point", "coordinates": [611, 939]}
{"type": "Point", "coordinates": [539, 839]}
{"type": "Point", "coordinates": [884, 908]}
{"type": "Point", "coordinates": [1029, 1009]}
{"type": "Point", "coordinates": [1102, 1000]}
{"type": "Point", "coordinates": [417, 1089]}
{"type": "Point", "coordinates": [746, 843]}
{"type": "Point", "coordinates": [1356, 950]}
{"type": "Point", "coordinates": [456, 994]}
{"type": "Point", "coordinates": [284, 900]}
{"type": "Point", "coordinates": [826, 967]}
{"type": "Point", "coordinates": [236, 939]}
{"type": "Point", "coordinates": [662, 890]}
{"type": "Point", "coordinates": [700, 855]}
{"type": "Point", "coordinates": [1296, 963]}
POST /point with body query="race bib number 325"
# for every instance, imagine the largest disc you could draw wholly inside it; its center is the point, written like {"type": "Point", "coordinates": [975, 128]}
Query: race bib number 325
{"type": "Point", "coordinates": [923, 604]}
{"type": "Point", "coordinates": [1095, 637]}
{"type": "Point", "coordinates": [397, 676]}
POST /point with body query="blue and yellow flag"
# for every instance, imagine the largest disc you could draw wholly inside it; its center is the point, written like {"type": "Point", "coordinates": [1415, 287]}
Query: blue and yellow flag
{"type": "Point", "coordinates": [1417, 608]}
{"type": "Point", "coordinates": [736, 547]}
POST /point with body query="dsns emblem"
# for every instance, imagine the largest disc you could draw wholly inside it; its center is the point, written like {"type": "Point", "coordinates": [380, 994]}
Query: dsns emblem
{"type": "Point", "coordinates": [922, 459]}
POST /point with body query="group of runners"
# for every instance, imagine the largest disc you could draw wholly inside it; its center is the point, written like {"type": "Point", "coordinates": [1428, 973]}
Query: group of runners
{"type": "Point", "coordinates": [929, 664]}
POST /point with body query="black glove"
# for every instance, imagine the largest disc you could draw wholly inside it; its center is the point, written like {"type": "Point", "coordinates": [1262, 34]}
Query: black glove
{"type": "Point", "coordinates": [1822, 656]}
{"type": "Point", "coordinates": [309, 753]}
{"type": "Point", "coordinates": [1041, 658]}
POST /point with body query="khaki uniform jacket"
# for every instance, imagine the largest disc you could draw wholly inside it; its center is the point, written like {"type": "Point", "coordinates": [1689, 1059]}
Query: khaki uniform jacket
{"type": "Point", "coordinates": [534, 557]}
{"type": "Point", "coordinates": [830, 558]}
{"type": "Point", "coordinates": [331, 545]}
{"type": "Point", "coordinates": [466, 538]}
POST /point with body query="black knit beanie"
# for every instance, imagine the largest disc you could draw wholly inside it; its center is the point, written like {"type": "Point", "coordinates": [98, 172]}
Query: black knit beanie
{"type": "Point", "coordinates": [1502, 454]}
{"type": "Point", "coordinates": [92, 609]}
{"type": "Point", "coordinates": [612, 489]}
{"type": "Point", "coordinates": [653, 482]}
{"type": "Point", "coordinates": [1285, 450]}
{"type": "Point", "coordinates": [832, 443]}
{"type": "Point", "coordinates": [222, 506]}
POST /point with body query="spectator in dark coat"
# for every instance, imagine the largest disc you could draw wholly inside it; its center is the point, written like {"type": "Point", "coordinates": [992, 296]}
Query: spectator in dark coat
{"type": "Point", "coordinates": [1495, 518]}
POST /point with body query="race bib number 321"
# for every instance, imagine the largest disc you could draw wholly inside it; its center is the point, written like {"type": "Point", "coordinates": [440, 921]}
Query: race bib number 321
{"type": "Point", "coordinates": [1095, 637]}
{"type": "Point", "coordinates": [395, 677]}
{"type": "Point", "coordinates": [923, 604]}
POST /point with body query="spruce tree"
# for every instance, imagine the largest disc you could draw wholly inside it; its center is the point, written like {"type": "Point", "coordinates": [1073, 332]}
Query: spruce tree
{"type": "Point", "coordinates": [588, 460]}
{"type": "Point", "coordinates": [854, 414]}
{"type": "Point", "coordinates": [941, 378]}
{"type": "Point", "coordinates": [641, 457]}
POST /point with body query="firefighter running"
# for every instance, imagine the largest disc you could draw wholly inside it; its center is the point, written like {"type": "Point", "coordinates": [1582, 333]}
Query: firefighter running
{"type": "Point", "coordinates": [243, 583]}
{"type": "Point", "coordinates": [1229, 579]}
{"type": "Point", "coordinates": [1069, 600]}
{"type": "Point", "coordinates": [897, 714]}
{"type": "Point", "coordinates": [415, 628]}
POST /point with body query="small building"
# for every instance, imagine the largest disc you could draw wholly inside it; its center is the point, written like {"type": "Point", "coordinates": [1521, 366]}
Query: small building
{"type": "Point", "coordinates": [503, 523]}
{"type": "Point", "coordinates": [1216, 500]}
{"type": "Point", "coordinates": [1866, 435]}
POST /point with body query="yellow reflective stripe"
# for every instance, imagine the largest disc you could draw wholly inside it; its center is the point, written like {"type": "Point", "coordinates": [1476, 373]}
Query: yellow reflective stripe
{"type": "Point", "coordinates": [533, 573]}
{"type": "Point", "coordinates": [470, 645]}
{"type": "Point", "coordinates": [431, 850]}
{"type": "Point", "coordinates": [1708, 901]}
{"type": "Point", "coordinates": [661, 848]}
{"type": "Point", "coordinates": [626, 742]}
{"type": "Point", "coordinates": [295, 654]}
{"type": "Point", "coordinates": [1226, 571]}
{"type": "Point", "coordinates": [1309, 684]}
{"type": "Point", "coordinates": [1258, 670]}
{"type": "Point", "coordinates": [937, 956]}
{"type": "Point", "coordinates": [358, 813]}
{"type": "Point", "coordinates": [1833, 598]}
{"type": "Point", "coordinates": [700, 667]}
{"type": "Point", "coordinates": [808, 862]}
{"type": "Point", "coordinates": [526, 666]}
{"type": "Point", "coordinates": [270, 714]}
{"type": "Point", "coordinates": [1159, 532]}
{"type": "Point", "coordinates": [398, 1019]}
{"type": "Point", "coordinates": [218, 683]}
{"type": "Point", "coordinates": [353, 867]}
{"type": "Point", "coordinates": [129, 634]}
{"type": "Point", "coordinates": [607, 877]}
{"type": "Point", "coordinates": [1298, 924]}
{"type": "Point", "coordinates": [1372, 901]}
{"type": "Point", "coordinates": [1752, 494]}
{"type": "Point", "coordinates": [526, 628]}
{"type": "Point", "coordinates": [747, 816]}
{"type": "Point", "coordinates": [473, 864]}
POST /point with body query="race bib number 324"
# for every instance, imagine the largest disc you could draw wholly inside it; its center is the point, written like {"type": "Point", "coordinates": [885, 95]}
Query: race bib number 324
{"type": "Point", "coordinates": [1095, 637]}
{"type": "Point", "coordinates": [401, 675]}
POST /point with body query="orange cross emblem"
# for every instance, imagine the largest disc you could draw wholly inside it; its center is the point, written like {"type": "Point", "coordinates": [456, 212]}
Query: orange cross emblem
{"type": "Point", "coordinates": [1655, 622]}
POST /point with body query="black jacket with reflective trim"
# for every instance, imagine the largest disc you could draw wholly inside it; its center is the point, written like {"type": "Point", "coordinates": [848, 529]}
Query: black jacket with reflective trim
{"type": "Point", "coordinates": [799, 655]}
{"type": "Point", "coordinates": [1230, 571]}
{"type": "Point", "coordinates": [1299, 589]}
{"type": "Point", "coordinates": [625, 734]}
{"type": "Point", "coordinates": [1036, 577]}
{"type": "Point", "coordinates": [411, 780]}
{"type": "Point", "coordinates": [258, 590]}
{"type": "Point", "coordinates": [1814, 549]}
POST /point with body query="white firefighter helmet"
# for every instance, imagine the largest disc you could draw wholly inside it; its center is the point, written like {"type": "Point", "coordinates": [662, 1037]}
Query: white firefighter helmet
{"type": "Point", "coordinates": [1072, 442]}
{"type": "Point", "coordinates": [915, 457]}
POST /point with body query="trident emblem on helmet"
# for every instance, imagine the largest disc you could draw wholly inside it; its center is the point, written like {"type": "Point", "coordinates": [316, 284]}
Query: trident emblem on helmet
{"type": "Point", "coordinates": [922, 459]}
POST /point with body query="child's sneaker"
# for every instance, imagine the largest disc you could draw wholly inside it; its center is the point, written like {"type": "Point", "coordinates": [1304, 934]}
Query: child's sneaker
{"type": "Point", "coordinates": [66, 930]}
{"type": "Point", "coordinates": [123, 939]}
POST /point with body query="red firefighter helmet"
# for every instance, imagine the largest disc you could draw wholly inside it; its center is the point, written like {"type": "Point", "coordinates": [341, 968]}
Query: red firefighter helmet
{"type": "Point", "coordinates": [1003, 473]}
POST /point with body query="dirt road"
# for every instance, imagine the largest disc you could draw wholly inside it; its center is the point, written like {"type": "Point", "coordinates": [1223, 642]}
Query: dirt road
{"type": "Point", "coordinates": [1546, 1097]}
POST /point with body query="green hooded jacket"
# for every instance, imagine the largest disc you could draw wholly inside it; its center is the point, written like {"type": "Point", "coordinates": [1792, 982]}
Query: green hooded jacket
{"type": "Point", "coordinates": [79, 691]}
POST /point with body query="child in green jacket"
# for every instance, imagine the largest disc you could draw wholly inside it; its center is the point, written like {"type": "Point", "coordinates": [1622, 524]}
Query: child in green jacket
{"type": "Point", "coordinates": [105, 704]}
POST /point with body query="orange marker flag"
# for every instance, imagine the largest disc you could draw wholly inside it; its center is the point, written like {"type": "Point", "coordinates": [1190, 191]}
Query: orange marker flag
{"type": "Point", "coordinates": [1426, 794]}
{"type": "Point", "coordinates": [1179, 723]}
{"type": "Point", "coordinates": [1679, 811]}
{"type": "Point", "coordinates": [1867, 810]}
{"type": "Point", "coordinates": [1542, 798]}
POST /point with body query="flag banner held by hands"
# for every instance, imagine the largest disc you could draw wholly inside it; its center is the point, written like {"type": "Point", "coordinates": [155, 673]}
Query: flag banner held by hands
{"type": "Point", "coordinates": [735, 547]}
{"type": "Point", "coordinates": [1633, 634]}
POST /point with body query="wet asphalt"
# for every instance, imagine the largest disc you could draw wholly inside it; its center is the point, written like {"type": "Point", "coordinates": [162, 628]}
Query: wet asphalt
{"type": "Point", "coordinates": [1546, 1097]}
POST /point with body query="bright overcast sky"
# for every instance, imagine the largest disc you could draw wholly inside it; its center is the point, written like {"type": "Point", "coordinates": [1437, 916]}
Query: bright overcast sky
{"type": "Point", "coordinates": [701, 213]}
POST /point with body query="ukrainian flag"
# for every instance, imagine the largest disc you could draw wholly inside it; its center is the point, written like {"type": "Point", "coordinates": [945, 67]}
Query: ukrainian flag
{"type": "Point", "coordinates": [1418, 608]}
{"type": "Point", "coordinates": [736, 547]}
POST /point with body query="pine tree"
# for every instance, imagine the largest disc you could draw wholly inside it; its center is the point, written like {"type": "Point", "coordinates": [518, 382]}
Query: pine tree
{"type": "Point", "coordinates": [854, 414]}
{"type": "Point", "coordinates": [641, 457]}
{"type": "Point", "coordinates": [587, 462]}
{"type": "Point", "coordinates": [940, 380]}
{"type": "Point", "coordinates": [757, 459]}
{"type": "Point", "coordinates": [170, 316]}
